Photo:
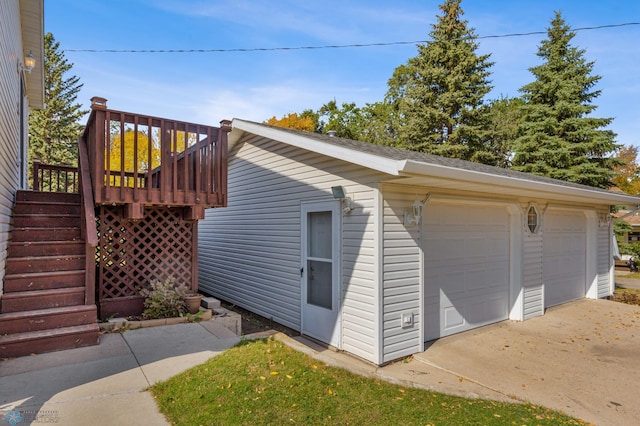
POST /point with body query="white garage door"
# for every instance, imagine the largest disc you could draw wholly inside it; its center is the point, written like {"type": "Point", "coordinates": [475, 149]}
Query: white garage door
{"type": "Point", "coordinates": [564, 254]}
{"type": "Point", "coordinates": [466, 267]}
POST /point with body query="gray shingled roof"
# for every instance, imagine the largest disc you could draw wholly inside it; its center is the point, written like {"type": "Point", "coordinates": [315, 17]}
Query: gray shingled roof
{"type": "Point", "coordinates": [404, 154]}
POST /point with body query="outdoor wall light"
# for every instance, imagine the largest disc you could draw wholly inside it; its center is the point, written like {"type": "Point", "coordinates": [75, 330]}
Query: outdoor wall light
{"type": "Point", "coordinates": [413, 217]}
{"type": "Point", "coordinates": [339, 193]}
{"type": "Point", "coordinates": [29, 63]}
{"type": "Point", "coordinates": [604, 220]}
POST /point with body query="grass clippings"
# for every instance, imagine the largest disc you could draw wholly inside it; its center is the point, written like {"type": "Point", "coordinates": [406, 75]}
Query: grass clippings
{"type": "Point", "coordinates": [266, 382]}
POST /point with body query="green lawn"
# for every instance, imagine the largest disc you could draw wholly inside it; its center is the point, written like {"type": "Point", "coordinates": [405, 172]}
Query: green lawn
{"type": "Point", "coordinates": [634, 275]}
{"type": "Point", "coordinates": [266, 382]}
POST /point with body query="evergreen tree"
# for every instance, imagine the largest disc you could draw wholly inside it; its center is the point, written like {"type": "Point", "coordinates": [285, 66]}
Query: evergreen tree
{"type": "Point", "coordinates": [502, 131]}
{"type": "Point", "coordinates": [437, 96]}
{"type": "Point", "coordinates": [558, 137]}
{"type": "Point", "coordinates": [54, 130]}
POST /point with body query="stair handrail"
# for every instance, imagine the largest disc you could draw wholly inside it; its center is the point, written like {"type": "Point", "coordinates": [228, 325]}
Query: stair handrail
{"type": "Point", "coordinates": [88, 228]}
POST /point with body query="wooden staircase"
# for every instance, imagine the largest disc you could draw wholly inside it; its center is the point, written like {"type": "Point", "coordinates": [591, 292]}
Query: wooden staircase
{"type": "Point", "coordinates": [43, 307]}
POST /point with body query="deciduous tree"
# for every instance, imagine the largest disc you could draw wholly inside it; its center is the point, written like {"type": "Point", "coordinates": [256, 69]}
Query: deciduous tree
{"type": "Point", "coordinates": [627, 172]}
{"type": "Point", "coordinates": [293, 121]}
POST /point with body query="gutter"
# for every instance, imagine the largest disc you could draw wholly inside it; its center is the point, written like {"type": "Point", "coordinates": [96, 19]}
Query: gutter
{"type": "Point", "coordinates": [419, 168]}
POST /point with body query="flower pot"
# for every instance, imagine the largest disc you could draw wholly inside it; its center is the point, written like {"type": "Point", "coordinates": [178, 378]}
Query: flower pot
{"type": "Point", "coordinates": [193, 303]}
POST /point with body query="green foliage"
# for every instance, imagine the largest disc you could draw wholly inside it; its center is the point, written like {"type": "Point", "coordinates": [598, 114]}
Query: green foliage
{"type": "Point", "coordinates": [558, 136]}
{"type": "Point", "coordinates": [504, 117]}
{"type": "Point", "coordinates": [267, 383]}
{"type": "Point", "coordinates": [367, 124]}
{"type": "Point", "coordinates": [437, 96]}
{"type": "Point", "coordinates": [621, 227]}
{"type": "Point", "coordinates": [164, 299]}
{"type": "Point", "coordinates": [53, 131]}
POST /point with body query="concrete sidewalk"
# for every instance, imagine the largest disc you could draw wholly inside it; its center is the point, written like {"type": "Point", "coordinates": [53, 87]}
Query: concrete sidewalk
{"type": "Point", "coordinates": [105, 384]}
{"type": "Point", "coordinates": [622, 281]}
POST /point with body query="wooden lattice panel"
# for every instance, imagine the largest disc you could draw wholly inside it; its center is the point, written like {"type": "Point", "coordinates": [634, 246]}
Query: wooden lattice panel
{"type": "Point", "coordinates": [132, 253]}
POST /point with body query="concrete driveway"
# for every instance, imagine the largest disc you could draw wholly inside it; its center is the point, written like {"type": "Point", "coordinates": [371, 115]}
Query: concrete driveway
{"type": "Point", "coordinates": [582, 358]}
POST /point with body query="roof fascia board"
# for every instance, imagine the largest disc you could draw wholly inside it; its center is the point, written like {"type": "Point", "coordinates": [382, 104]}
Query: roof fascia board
{"type": "Point", "coordinates": [32, 29]}
{"type": "Point", "coordinates": [371, 161]}
{"type": "Point", "coordinates": [416, 167]}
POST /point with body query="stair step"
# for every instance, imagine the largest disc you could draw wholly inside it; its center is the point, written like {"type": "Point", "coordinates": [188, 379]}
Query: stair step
{"type": "Point", "coordinates": [42, 299]}
{"type": "Point", "coordinates": [44, 280]}
{"type": "Point", "coordinates": [44, 319]}
{"type": "Point", "coordinates": [33, 264]}
{"type": "Point", "coordinates": [45, 248]}
{"type": "Point", "coordinates": [32, 342]}
{"type": "Point", "coordinates": [45, 234]}
{"type": "Point", "coordinates": [45, 221]}
{"type": "Point", "coordinates": [58, 197]}
{"type": "Point", "coordinates": [51, 208]}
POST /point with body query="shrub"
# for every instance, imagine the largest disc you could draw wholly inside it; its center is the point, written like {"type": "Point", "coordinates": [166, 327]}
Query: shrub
{"type": "Point", "coordinates": [164, 299]}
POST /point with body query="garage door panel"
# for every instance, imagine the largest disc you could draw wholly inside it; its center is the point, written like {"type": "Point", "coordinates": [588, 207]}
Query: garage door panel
{"type": "Point", "coordinates": [466, 267]}
{"type": "Point", "coordinates": [564, 256]}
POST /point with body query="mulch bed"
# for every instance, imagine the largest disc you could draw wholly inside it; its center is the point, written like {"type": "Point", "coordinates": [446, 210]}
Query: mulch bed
{"type": "Point", "coordinates": [253, 323]}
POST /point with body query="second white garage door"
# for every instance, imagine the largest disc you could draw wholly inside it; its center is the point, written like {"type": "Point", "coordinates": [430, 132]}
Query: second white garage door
{"type": "Point", "coordinates": [466, 267]}
{"type": "Point", "coordinates": [564, 254]}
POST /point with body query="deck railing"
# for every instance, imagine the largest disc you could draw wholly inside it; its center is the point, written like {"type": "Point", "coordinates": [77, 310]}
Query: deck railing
{"type": "Point", "coordinates": [88, 221]}
{"type": "Point", "coordinates": [50, 178]}
{"type": "Point", "coordinates": [143, 160]}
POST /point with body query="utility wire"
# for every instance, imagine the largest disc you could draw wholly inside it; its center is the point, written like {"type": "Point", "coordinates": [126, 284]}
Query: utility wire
{"type": "Point", "coordinates": [335, 46]}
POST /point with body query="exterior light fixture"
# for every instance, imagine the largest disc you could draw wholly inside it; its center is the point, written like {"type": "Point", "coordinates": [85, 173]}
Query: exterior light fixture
{"type": "Point", "coordinates": [29, 63]}
{"type": "Point", "coordinates": [604, 220]}
{"type": "Point", "coordinates": [414, 216]}
{"type": "Point", "coordinates": [339, 193]}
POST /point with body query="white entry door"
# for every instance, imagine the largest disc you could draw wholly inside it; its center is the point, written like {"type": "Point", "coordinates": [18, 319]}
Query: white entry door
{"type": "Point", "coordinates": [321, 271]}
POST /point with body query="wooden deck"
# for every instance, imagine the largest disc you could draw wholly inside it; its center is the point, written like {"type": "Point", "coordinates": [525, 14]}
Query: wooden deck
{"type": "Point", "coordinates": [144, 183]}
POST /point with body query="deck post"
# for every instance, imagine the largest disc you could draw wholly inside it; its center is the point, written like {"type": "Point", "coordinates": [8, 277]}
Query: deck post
{"type": "Point", "coordinates": [96, 150]}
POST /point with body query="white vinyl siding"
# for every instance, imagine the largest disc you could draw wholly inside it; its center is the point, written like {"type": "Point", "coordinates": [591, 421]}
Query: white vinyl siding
{"type": "Point", "coordinates": [605, 256]}
{"type": "Point", "coordinates": [402, 283]}
{"type": "Point", "coordinates": [533, 295]}
{"type": "Point", "coordinates": [249, 252]}
{"type": "Point", "coordinates": [10, 51]}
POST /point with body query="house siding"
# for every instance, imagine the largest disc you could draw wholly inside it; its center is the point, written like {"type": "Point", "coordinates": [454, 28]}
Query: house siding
{"type": "Point", "coordinates": [250, 254]}
{"type": "Point", "coordinates": [402, 274]}
{"type": "Point", "coordinates": [605, 257]}
{"type": "Point", "coordinates": [533, 291]}
{"type": "Point", "coordinates": [10, 123]}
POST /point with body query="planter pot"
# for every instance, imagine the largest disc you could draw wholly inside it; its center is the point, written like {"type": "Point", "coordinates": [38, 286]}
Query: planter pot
{"type": "Point", "coordinates": [193, 303]}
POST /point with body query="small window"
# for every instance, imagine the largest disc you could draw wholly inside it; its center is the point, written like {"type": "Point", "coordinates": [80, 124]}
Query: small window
{"type": "Point", "coordinates": [532, 219]}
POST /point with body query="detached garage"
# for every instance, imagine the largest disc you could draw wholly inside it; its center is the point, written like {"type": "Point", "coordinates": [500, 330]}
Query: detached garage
{"type": "Point", "coordinates": [376, 250]}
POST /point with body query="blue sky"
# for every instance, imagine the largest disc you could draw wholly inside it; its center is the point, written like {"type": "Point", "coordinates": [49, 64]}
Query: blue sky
{"type": "Point", "coordinates": [208, 87]}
